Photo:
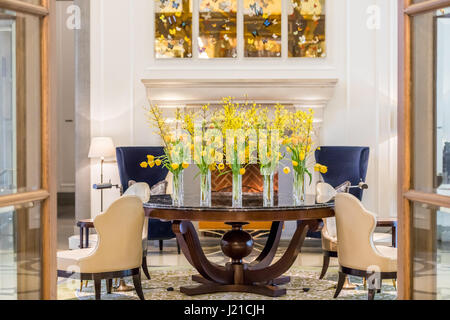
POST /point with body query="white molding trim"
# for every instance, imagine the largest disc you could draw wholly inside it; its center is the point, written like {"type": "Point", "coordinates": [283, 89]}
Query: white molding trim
{"type": "Point", "coordinates": [299, 92]}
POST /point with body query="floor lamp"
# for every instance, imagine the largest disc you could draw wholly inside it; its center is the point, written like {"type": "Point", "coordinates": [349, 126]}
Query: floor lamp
{"type": "Point", "coordinates": [102, 148]}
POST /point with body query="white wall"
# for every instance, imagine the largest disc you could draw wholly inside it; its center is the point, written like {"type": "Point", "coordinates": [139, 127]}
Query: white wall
{"type": "Point", "coordinates": [65, 61]}
{"type": "Point", "coordinates": [362, 112]}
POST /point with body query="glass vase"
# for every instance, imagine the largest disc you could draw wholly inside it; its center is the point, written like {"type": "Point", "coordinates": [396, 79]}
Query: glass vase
{"type": "Point", "coordinates": [268, 190]}
{"type": "Point", "coordinates": [205, 189]}
{"type": "Point", "coordinates": [178, 190]}
{"type": "Point", "coordinates": [298, 188]}
{"type": "Point", "coordinates": [237, 190]}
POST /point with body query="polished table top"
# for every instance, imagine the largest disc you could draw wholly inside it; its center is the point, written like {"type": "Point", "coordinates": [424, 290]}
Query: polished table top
{"type": "Point", "coordinates": [160, 206]}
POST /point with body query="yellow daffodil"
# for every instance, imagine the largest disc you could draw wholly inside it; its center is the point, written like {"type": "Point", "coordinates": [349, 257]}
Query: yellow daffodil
{"type": "Point", "coordinates": [175, 166]}
{"type": "Point", "coordinates": [286, 170]}
{"type": "Point", "coordinates": [158, 162]}
{"type": "Point", "coordinates": [295, 163]}
{"type": "Point", "coordinates": [242, 171]}
{"type": "Point", "coordinates": [221, 166]}
{"type": "Point", "coordinates": [144, 164]}
{"type": "Point", "coordinates": [185, 165]}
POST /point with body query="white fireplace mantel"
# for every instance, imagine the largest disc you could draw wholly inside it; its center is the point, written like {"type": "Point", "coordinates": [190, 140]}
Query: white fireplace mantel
{"type": "Point", "coordinates": [189, 92]}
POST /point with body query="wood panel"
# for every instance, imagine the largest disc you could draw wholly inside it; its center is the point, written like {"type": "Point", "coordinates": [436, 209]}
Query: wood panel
{"type": "Point", "coordinates": [404, 155]}
{"type": "Point", "coordinates": [48, 138]}
{"type": "Point", "coordinates": [424, 7]}
{"type": "Point", "coordinates": [24, 7]}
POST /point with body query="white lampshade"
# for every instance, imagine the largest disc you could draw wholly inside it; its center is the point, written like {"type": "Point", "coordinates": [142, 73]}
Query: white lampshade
{"type": "Point", "coordinates": [102, 147]}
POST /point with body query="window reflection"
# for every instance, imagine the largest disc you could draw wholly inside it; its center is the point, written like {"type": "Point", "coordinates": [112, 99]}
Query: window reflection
{"type": "Point", "coordinates": [173, 28]}
{"type": "Point", "coordinates": [217, 27]}
{"type": "Point", "coordinates": [262, 28]}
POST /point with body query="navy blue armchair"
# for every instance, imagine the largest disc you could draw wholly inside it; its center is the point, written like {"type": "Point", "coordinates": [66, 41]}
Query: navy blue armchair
{"type": "Point", "coordinates": [344, 164]}
{"type": "Point", "coordinates": [128, 160]}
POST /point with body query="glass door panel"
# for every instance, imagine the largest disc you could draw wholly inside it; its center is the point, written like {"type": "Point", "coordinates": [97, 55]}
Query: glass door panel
{"type": "Point", "coordinates": [431, 243]}
{"type": "Point", "coordinates": [20, 103]}
{"type": "Point", "coordinates": [431, 102]}
{"type": "Point", "coordinates": [20, 252]}
{"type": "Point", "coordinates": [20, 154]}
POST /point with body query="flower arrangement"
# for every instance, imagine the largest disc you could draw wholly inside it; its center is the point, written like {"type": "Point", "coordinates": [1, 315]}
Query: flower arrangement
{"type": "Point", "coordinates": [300, 146]}
{"type": "Point", "coordinates": [176, 156]}
{"type": "Point", "coordinates": [243, 134]}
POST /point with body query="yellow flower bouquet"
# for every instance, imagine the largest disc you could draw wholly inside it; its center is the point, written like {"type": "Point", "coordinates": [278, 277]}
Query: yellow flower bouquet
{"type": "Point", "coordinates": [300, 146]}
{"type": "Point", "coordinates": [176, 156]}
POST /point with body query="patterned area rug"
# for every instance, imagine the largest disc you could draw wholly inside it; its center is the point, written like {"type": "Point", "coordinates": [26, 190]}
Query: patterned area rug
{"type": "Point", "coordinates": [304, 285]}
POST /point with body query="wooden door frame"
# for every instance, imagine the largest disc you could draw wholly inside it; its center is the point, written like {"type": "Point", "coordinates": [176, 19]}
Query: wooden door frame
{"type": "Point", "coordinates": [406, 194]}
{"type": "Point", "coordinates": [47, 193]}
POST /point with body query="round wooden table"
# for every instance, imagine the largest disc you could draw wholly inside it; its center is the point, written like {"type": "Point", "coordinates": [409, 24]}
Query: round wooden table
{"type": "Point", "coordinates": [260, 276]}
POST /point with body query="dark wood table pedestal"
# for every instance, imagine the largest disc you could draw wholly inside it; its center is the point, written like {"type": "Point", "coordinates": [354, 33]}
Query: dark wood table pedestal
{"type": "Point", "coordinates": [259, 277]}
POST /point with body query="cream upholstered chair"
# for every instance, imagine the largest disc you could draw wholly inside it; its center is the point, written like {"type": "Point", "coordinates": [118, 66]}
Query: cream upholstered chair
{"type": "Point", "coordinates": [118, 252]}
{"type": "Point", "coordinates": [142, 190]}
{"type": "Point", "coordinates": [329, 243]}
{"type": "Point", "coordinates": [357, 254]}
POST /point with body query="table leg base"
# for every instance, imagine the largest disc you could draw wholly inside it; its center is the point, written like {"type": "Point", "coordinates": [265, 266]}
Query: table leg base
{"type": "Point", "coordinates": [265, 290]}
{"type": "Point", "coordinates": [207, 286]}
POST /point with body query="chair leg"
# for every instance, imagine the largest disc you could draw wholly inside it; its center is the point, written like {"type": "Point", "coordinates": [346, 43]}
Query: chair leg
{"type": "Point", "coordinates": [109, 285]}
{"type": "Point", "coordinates": [340, 284]}
{"type": "Point", "coordinates": [138, 286]}
{"type": "Point", "coordinates": [371, 294]}
{"type": "Point", "coordinates": [98, 288]}
{"type": "Point", "coordinates": [326, 262]}
{"type": "Point", "coordinates": [178, 247]}
{"type": "Point", "coordinates": [144, 267]}
{"type": "Point", "coordinates": [161, 245]}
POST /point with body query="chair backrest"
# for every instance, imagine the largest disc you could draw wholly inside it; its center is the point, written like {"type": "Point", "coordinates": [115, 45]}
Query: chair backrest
{"type": "Point", "coordinates": [344, 164]}
{"type": "Point", "coordinates": [139, 189]}
{"type": "Point", "coordinates": [119, 245]}
{"type": "Point", "coordinates": [142, 191]}
{"type": "Point", "coordinates": [128, 160]}
{"type": "Point", "coordinates": [355, 226]}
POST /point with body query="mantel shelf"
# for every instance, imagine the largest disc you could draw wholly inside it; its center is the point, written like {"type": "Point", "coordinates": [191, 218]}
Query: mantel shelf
{"type": "Point", "coordinates": [297, 92]}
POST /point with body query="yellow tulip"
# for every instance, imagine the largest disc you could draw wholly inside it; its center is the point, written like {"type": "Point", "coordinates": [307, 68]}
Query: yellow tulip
{"type": "Point", "coordinates": [323, 169]}
{"type": "Point", "coordinates": [295, 163]}
{"type": "Point", "coordinates": [150, 158]}
{"type": "Point", "coordinates": [175, 166]}
{"type": "Point", "coordinates": [286, 170]}
{"type": "Point", "coordinates": [185, 165]}
{"type": "Point", "coordinates": [302, 156]}
{"type": "Point", "coordinates": [221, 166]}
{"type": "Point", "coordinates": [158, 162]}
{"type": "Point", "coordinates": [317, 167]}
{"type": "Point", "coordinates": [288, 149]}
{"type": "Point", "coordinates": [151, 164]}
{"type": "Point", "coordinates": [212, 167]}
{"type": "Point", "coordinates": [203, 153]}
{"type": "Point", "coordinates": [144, 164]}
{"type": "Point", "coordinates": [242, 171]}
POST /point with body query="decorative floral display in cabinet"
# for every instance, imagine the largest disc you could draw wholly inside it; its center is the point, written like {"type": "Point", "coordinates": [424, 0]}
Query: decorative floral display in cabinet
{"type": "Point", "coordinates": [173, 28]}
{"type": "Point", "coordinates": [306, 28]}
{"type": "Point", "coordinates": [217, 29]}
{"type": "Point", "coordinates": [262, 28]}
